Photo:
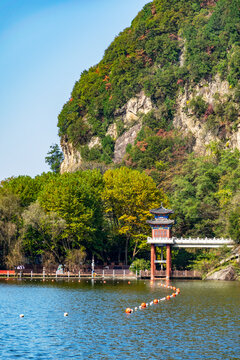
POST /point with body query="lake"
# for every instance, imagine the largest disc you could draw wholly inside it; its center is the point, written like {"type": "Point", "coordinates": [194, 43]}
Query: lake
{"type": "Point", "coordinates": [201, 323]}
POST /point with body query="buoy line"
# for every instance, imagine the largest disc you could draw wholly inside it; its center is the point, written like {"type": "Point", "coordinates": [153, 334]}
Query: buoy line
{"type": "Point", "coordinates": [155, 301]}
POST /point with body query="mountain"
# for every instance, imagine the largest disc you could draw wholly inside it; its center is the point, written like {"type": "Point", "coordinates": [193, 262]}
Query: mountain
{"type": "Point", "coordinates": [167, 86]}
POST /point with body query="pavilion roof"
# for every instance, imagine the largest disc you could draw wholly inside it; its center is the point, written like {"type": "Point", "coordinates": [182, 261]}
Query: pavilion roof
{"type": "Point", "coordinates": [161, 211]}
{"type": "Point", "coordinates": [160, 221]}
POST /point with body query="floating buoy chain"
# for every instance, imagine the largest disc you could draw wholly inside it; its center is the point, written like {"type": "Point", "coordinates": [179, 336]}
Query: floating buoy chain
{"type": "Point", "coordinates": [155, 301]}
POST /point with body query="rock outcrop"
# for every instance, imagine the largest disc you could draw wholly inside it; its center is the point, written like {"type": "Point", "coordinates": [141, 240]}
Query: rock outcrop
{"type": "Point", "coordinates": [184, 120]}
{"type": "Point", "coordinates": [72, 157]}
{"type": "Point", "coordinates": [127, 138]}
{"type": "Point", "coordinates": [188, 123]}
{"type": "Point", "coordinates": [129, 115]}
{"type": "Point", "coordinates": [140, 104]}
{"type": "Point", "coordinates": [227, 273]}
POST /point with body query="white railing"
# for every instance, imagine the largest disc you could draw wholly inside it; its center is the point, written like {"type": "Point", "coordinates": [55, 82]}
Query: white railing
{"type": "Point", "coordinates": [191, 242]}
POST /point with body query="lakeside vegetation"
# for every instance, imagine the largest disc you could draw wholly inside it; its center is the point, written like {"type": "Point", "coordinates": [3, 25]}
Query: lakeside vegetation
{"type": "Point", "coordinates": [62, 217]}
{"type": "Point", "coordinates": [68, 218]}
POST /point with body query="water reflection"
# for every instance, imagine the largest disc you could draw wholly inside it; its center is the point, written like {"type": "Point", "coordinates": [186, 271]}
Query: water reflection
{"type": "Point", "coordinates": [201, 323]}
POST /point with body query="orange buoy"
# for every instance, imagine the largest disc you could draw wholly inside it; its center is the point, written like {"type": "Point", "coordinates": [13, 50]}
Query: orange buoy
{"type": "Point", "coordinates": [129, 282]}
{"type": "Point", "coordinates": [178, 290]}
{"type": "Point", "coordinates": [173, 294]}
{"type": "Point", "coordinates": [128, 311]}
{"type": "Point", "coordinates": [104, 282]}
{"type": "Point", "coordinates": [174, 288]}
{"type": "Point", "coordinates": [143, 305]}
{"type": "Point", "coordinates": [155, 301]}
{"type": "Point", "coordinates": [168, 297]}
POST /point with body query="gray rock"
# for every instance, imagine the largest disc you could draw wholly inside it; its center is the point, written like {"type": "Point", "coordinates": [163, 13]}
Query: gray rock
{"type": "Point", "coordinates": [127, 138]}
{"type": "Point", "coordinates": [227, 273]}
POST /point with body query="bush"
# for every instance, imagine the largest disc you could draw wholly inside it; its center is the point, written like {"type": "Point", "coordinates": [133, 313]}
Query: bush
{"type": "Point", "coordinates": [198, 106]}
{"type": "Point", "coordinates": [140, 264]}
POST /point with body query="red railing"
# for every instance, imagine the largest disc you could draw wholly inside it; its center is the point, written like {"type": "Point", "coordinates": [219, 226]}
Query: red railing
{"type": "Point", "coordinates": [7, 272]}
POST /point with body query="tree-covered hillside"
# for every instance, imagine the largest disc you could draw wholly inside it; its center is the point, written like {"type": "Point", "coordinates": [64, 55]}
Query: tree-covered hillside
{"type": "Point", "coordinates": [169, 45]}
{"type": "Point", "coordinates": [173, 52]}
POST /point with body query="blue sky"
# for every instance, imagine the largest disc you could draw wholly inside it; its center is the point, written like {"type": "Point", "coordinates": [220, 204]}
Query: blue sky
{"type": "Point", "coordinates": [44, 47]}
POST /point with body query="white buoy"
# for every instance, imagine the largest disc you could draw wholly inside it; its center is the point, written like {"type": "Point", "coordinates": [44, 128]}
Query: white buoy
{"type": "Point", "coordinates": [21, 315]}
{"type": "Point", "coordinates": [65, 314]}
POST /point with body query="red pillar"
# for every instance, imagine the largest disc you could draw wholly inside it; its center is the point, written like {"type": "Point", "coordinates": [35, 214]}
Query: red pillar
{"type": "Point", "coordinates": [168, 264]}
{"type": "Point", "coordinates": [153, 258]}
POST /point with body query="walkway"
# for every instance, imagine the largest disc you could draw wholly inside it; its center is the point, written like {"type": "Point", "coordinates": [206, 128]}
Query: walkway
{"type": "Point", "coordinates": [191, 242]}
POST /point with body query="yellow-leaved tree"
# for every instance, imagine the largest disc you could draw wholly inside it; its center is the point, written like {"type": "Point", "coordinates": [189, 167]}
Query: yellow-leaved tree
{"type": "Point", "coordinates": [128, 196]}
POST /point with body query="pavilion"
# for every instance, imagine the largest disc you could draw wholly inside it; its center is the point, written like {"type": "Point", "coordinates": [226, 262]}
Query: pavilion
{"type": "Point", "coordinates": [161, 236]}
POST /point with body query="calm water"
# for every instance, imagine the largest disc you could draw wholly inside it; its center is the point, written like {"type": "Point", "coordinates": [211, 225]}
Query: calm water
{"type": "Point", "coordinates": [201, 323]}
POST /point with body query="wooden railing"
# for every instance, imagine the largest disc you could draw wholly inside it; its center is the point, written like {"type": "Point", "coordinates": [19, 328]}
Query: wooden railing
{"type": "Point", "coordinates": [102, 273]}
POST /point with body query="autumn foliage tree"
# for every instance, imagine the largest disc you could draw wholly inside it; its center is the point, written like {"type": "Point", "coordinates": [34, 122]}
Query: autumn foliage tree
{"type": "Point", "coordinates": [127, 196]}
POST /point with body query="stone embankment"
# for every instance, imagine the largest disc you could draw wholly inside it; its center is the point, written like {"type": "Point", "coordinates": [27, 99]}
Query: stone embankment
{"type": "Point", "coordinates": [229, 272]}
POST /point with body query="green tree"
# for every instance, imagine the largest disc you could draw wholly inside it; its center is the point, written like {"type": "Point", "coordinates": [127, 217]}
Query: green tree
{"type": "Point", "coordinates": [10, 211]}
{"type": "Point", "coordinates": [24, 187]}
{"type": "Point", "coordinates": [43, 232]}
{"type": "Point", "coordinates": [75, 258]}
{"type": "Point", "coordinates": [54, 158]}
{"type": "Point", "coordinates": [75, 197]}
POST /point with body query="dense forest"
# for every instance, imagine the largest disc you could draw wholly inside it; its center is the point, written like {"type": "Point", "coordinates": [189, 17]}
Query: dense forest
{"type": "Point", "coordinates": [66, 218]}
{"type": "Point", "coordinates": [101, 209]}
{"type": "Point", "coordinates": [53, 218]}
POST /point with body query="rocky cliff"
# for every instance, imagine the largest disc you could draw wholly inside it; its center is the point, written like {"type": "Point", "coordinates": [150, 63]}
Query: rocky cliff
{"type": "Point", "coordinates": [129, 116]}
{"type": "Point", "coordinates": [184, 120]}
{"type": "Point", "coordinates": [176, 68]}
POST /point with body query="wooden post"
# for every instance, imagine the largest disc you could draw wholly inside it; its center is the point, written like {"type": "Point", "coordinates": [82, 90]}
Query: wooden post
{"type": "Point", "coordinates": [153, 258]}
{"type": "Point", "coordinates": [161, 257]}
{"type": "Point", "coordinates": [168, 264]}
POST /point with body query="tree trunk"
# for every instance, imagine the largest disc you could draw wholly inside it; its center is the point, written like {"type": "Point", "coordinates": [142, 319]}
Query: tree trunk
{"type": "Point", "coordinates": [126, 251]}
{"type": "Point", "coordinates": [135, 251]}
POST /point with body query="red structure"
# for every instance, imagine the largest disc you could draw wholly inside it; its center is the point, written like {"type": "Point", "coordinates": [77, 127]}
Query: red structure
{"type": "Point", "coordinates": [161, 234]}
